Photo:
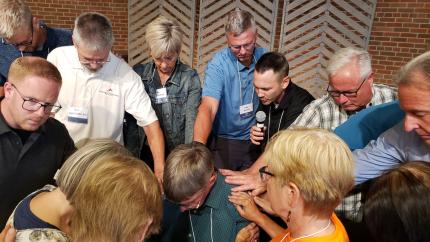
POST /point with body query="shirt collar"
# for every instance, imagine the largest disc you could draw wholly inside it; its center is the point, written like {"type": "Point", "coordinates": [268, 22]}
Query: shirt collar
{"type": "Point", "coordinates": [172, 77]}
{"type": "Point", "coordinates": [215, 195]}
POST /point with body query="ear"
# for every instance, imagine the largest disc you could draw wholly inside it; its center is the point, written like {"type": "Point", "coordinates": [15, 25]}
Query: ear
{"type": "Point", "coordinates": [370, 78]}
{"type": "Point", "coordinates": [7, 89]}
{"type": "Point", "coordinates": [293, 194]}
{"type": "Point", "coordinates": [285, 81]}
{"type": "Point", "coordinates": [144, 230]}
{"type": "Point", "coordinates": [212, 179]}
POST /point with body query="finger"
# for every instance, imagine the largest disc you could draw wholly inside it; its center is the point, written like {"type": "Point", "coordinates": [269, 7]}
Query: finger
{"type": "Point", "coordinates": [255, 142]}
{"type": "Point", "coordinates": [10, 235]}
{"type": "Point", "coordinates": [243, 188]}
{"type": "Point", "coordinates": [258, 190]}
{"type": "Point", "coordinates": [226, 172]}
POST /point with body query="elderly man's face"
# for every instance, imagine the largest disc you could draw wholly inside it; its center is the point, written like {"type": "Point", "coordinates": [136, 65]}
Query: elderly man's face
{"type": "Point", "coordinates": [92, 60]}
{"type": "Point", "coordinates": [415, 101]}
{"type": "Point", "coordinates": [349, 89]}
{"type": "Point", "coordinates": [22, 39]}
{"type": "Point", "coordinates": [32, 89]}
{"type": "Point", "coordinates": [242, 46]}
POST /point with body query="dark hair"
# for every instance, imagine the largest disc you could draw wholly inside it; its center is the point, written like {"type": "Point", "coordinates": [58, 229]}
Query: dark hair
{"type": "Point", "coordinates": [273, 61]}
{"type": "Point", "coordinates": [397, 204]}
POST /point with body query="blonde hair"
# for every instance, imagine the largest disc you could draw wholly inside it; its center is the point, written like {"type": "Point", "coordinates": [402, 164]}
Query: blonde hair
{"type": "Point", "coordinates": [188, 169]}
{"type": "Point", "coordinates": [70, 174]}
{"type": "Point", "coordinates": [164, 36]}
{"type": "Point", "coordinates": [26, 66]}
{"type": "Point", "coordinates": [318, 162]}
{"type": "Point", "coordinates": [117, 198]}
{"type": "Point", "coordinates": [14, 15]}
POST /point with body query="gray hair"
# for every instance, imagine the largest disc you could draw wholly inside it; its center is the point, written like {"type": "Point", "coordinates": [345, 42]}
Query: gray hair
{"type": "Point", "coordinates": [188, 169]}
{"type": "Point", "coordinates": [348, 55]}
{"type": "Point", "coordinates": [238, 21]}
{"type": "Point", "coordinates": [14, 14]}
{"type": "Point", "coordinates": [164, 36]}
{"type": "Point", "coordinates": [93, 31]}
{"type": "Point", "coordinates": [419, 63]}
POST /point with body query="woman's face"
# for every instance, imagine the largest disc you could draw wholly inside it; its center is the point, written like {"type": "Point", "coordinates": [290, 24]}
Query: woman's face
{"type": "Point", "coordinates": [166, 62]}
{"type": "Point", "coordinates": [274, 193]}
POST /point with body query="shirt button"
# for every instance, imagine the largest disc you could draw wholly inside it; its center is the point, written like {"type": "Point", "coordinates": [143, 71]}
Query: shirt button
{"type": "Point", "coordinates": [189, 235]}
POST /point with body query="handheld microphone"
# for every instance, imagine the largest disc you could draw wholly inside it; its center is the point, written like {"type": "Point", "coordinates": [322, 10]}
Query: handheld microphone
{"type": "Point", "coordinates": [260, 116]}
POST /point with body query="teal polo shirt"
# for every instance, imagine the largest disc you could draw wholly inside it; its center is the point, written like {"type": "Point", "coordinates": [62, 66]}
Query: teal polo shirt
{"type": "Point", "coordinates": [226, 221]}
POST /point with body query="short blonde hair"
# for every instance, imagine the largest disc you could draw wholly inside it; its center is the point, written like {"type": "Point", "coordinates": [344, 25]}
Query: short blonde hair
{"type": "Point", "coordinates": [70, 174]}
{"type": "Point", "coordinates": [188, 169]}
{"type": "Point", "coordinates": [164, 36]}
{"type": "Point", "coordinates": [26, 66]}
{"type": "Point", "coordinates": [14, 15]}
{"type": "Point", "coordinates": [117, 198]}
{"type": "Point", "coordinates": [317, 161]}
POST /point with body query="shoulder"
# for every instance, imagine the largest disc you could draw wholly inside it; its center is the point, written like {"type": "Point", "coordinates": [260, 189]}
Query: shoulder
{"type": "Point", "coordinates": [320, 103]}
{"type": "Point", "coordinates": [55, 127]}
{"type": "Point", "coordinates": [259, 51]}
{"type": "Point", "coordinates": [143, 69]}
{"type": "Point", "coordinates": [60, 37]}
{"type": "Point", "coordinates": [63, 50]}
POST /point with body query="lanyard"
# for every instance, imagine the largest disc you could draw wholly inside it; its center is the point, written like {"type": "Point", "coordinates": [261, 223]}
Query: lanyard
{"type": "Point", "coordinates": [268, 124]}
{"type": "Point", "coordinates": [192, 228]}
{"type": "Point", "coordinates": [240, 84]}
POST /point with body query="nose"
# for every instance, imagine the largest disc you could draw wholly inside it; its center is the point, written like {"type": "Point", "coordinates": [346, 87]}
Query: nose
{"type": "Point", "coordinates": [410, 123]}
{"type": "Point", "coordinates": [21, 47]}
{"type": "Point", "coordinates": [242, 50]}
{"type": "Point", "coordinates": [40, 112]}
{"type": "Point", "coordinates": [342, 99]}
{"type": "Point", "coordinates": [259, 92]}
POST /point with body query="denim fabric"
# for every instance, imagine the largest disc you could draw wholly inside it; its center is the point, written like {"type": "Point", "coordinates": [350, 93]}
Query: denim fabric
{"type": "Point", "coordinates": [178, 115]}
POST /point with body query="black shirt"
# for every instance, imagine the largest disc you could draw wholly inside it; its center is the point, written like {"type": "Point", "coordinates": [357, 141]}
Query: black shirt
{"type": "Point", "coordinates": [27, 167]}
{"type": "Point", "coordinates": [291, 106]}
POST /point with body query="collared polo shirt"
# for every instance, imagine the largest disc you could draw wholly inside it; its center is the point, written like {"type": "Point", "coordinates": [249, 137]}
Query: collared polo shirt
{"type": "Point", "coordinates": [27, 167]}
{"type": "Point", "coordinates": [105, 95]}
{"type": "Point", "coordinates": [222, 77]}
{"type": "Point", "coordinates": [54, 38]}
{"type": "Point", "coordinates": [216, 220]}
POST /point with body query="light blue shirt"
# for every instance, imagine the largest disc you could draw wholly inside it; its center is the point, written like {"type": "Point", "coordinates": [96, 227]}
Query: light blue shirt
{"type": "Point", "coordinates": [222, 83]}
{"type": "Point", "coordinates": [392, 148]}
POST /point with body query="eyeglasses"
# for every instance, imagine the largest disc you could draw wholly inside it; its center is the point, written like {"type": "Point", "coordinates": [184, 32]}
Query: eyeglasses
{"type": "Point", "coordinates": [24, 43]}
{"type": "Point", "coordinates": [32, 105]}
{"type": "Point", "coordinates": [248, 46]}
{"type": "Point", "coordinates": [350, 94]}
{"type": "Point", "coordinates": [89, 62]}
{"type": "Point", "coordinates": [264, 174]}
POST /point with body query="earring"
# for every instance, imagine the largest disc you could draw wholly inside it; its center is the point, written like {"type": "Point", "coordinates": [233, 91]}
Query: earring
{"type": "Point", "coordinates": [289, 216]}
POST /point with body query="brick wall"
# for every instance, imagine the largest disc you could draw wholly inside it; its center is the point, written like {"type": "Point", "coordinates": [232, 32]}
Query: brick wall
{"type": "Point", "coordinates": [401, 28]}
{"type": "Point", "coordinates": [401, 31]}
{"type": "Point", "coordinates": [62, 13]}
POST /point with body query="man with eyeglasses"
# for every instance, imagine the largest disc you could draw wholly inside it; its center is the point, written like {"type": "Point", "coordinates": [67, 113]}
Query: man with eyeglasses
{"type": "Point", "coordinates": [25, 35]}
{"type": "Point", "coordinates": [229, 103]}
{"type": "Point", "coordinates": [350, 90]}
{"type": "Point", "coordinates": [98, 88]}
{"type": "Point", "coordinates": [33, 145]}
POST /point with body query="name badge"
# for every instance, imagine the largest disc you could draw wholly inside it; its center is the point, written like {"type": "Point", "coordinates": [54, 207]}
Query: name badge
{"type": "Point", "coordinates": [246, 110]}
{"type": "Point", "coordinates": [78, 115]}
{"type": "Point", "coordinates": [161, 95]}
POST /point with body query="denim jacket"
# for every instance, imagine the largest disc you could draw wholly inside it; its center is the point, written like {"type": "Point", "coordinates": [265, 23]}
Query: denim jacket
{"type": "Point", "coordinates": [177, 116]}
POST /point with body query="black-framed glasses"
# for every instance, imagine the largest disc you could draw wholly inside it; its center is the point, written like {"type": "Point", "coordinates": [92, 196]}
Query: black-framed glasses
{"type": "Point", "coordinates": [350, 94]}
{"type": "Point", "coordinates": [32, 105]}
{"type": "Point", "coordinates": [24, 43]}
{"type": "Point", "coordinates": [248, 46]}
{"type": "Point", "coordinates": [264, 174]}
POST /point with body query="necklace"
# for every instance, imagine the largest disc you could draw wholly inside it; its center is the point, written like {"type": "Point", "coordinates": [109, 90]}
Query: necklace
{"type": "Point", "coordinates": [268, 124]}
{"type": "Point", "coordinates": [309, 235]}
